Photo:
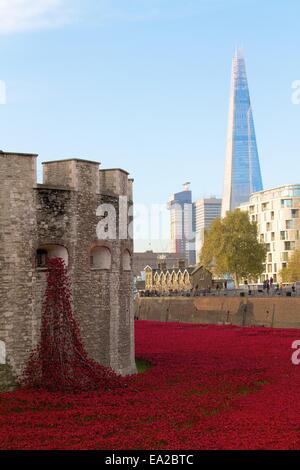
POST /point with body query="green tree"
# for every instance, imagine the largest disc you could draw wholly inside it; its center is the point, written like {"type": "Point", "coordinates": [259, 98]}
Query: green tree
{"type": "Point", "coordinates": [292, 272]}
{"type": "Point", "coordinates": [231, 246]}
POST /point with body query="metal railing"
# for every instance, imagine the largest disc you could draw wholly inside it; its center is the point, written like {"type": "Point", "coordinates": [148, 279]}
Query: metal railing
{"type": "Point", "coordinates": [258, 293]}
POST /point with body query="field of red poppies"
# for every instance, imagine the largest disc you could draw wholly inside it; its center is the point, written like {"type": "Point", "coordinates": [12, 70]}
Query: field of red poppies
{"type": "Point", "coordinates": [209, 387]}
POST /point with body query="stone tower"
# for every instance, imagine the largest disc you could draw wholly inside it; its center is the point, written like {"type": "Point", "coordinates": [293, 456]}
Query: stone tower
{"type": "Point", "coordinates": [61, 218]}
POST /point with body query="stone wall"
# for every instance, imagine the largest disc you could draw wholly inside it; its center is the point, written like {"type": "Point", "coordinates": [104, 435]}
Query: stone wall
{"type": "Point", "coordinates": [270, 312]}
{"type": "Point", "coordinates": [17, 241]}
{"type": "Point", "coordinates": [7, 379]}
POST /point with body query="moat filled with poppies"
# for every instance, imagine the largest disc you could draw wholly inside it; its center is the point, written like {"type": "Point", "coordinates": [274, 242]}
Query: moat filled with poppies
{"type": "Point", "coordinates": [207, 387]}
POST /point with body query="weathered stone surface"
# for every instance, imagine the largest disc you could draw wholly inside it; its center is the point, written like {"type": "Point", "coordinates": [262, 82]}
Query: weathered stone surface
{"type": "Point", "coordinates": [277, 312]}
{"type": "Point", "coordinates": [62, 212]}
{"type": "Point", "coordinates": [7, 379]}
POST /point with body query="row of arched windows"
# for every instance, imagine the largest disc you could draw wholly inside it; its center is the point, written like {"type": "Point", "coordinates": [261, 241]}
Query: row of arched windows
{"type": "Point", "coordinates": [100, 257]}
{"type": "Point", "coordinates": [170, 280]}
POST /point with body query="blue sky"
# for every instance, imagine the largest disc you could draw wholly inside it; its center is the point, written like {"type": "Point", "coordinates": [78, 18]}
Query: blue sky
{"type": "Point", "coordinates": [144, 85]}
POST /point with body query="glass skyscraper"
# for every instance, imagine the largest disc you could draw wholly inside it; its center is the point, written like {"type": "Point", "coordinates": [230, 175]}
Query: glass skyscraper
{"type": "Point", "coordinates": [183, 225]}
{"type": "Point", "coordinates": [242, 169]}
{"type": "Point", "coordinates": [207, 210]}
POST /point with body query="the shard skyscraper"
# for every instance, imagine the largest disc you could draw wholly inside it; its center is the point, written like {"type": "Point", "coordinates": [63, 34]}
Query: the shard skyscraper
{"type": "Point", "coordinates": [242, 169]}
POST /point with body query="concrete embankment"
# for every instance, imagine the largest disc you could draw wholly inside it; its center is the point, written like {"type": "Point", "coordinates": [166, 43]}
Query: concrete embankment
{"type": "Point", "coordinates": [277, 312]}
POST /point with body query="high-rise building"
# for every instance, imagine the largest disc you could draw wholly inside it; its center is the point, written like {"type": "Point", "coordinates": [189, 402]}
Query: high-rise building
{"type": "Point", "coordinates": [277, 213]}
{"type": "Point", "coordinates": [207, 210]}
{"type": "Point", "coordinates": [182, 215]}
{"type": "Point", "coordinates": [242, 169]}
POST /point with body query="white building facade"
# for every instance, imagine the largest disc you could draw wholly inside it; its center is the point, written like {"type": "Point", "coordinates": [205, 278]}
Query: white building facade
{"type": "Point", "coordinates": [206, 211]}
{"type": "Point", "coordinates": [277, 213]}
{"type": "Point", "coordinates": [182, 225]}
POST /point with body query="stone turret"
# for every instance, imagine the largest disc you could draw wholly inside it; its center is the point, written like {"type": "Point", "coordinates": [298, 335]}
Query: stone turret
{"type": "Point", "coordinates": [59, 218]}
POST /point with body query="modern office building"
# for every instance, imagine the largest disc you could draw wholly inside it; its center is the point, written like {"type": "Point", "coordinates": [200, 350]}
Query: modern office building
{"type": "Point", "coordinates": [207, 210]}
{"type": "Point", "coordinates": [277, 213]}
{"type": "Point", "coordinates": [182, 223]}
{"type": "Point", "coordinates": [242, 168]}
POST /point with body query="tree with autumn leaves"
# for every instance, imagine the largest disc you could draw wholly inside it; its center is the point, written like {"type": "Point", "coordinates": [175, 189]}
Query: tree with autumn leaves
{"type": "Point", "coordinates": [231, 246]}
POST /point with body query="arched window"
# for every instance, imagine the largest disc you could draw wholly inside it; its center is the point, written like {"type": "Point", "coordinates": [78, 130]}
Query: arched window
{"type": "Point", "coordinates": [100, 258]}
{"type": "Point", "coordinates": [2, 353]}
{"type": "Point", "coordinates": [179, 277]}
{"type": "Point", "coordinates": [186, 278]}
{"type": "Point", "coordinates": [41, 258]}
{"type": "Point", "coordinates": [148, 277]}
{"type": "Point", "coordinates": [51, 251]}
{"type": "Point", "coordinates": [157, 279]}
{"type": "Point", "coordinates": [126, 261]}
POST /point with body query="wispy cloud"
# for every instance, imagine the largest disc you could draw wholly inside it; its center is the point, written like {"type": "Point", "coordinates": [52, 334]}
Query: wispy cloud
{"type": "Point", "coordinates": [129, 11]}
{"type": "Point", "coordinates": [28, 15]}
{"type": "Point", "coordinates": [152, 10]}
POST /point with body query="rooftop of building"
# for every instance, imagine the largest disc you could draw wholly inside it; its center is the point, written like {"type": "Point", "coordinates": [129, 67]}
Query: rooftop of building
{"type": "Point", "coordinates": [19, 154]}
{"type": "Point", "coordinates": [279, 191]}
{"type": "Point", "coordinates": [176, 269]}
{"type": "Point", "coordinates": [115, 169]}
{"type": "Point", "coordinates": [209, 200]}
{"type": "Point", "coordinates": [75, 159]}
{"type": "Point", "coordinates": [157, 253]}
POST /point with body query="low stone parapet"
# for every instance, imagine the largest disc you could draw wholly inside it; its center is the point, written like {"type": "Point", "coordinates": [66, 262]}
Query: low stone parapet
{"type": "Point", "coordinates": [269, 312]}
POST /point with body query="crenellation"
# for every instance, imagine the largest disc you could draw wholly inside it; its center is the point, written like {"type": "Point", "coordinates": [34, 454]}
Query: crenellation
{"type": "Point", "coordinates": [72, 173]}
{"type": "Point", "coordinates": [59, 173]}
{"type": "Point", "coordinates": [114, 180]}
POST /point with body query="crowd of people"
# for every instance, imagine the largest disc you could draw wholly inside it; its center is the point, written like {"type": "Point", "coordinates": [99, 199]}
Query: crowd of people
{"type": "Point", "coordinates": [268, 288]}
{"type": "Point", "coordinates": [195, 292]}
